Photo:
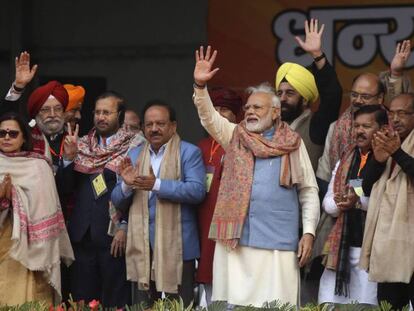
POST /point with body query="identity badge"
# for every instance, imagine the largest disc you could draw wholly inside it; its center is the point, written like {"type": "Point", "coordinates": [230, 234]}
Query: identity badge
{"type": "Point", "coordinates": [209, 176]}
{"type": "Point", "coordinates": [99, 185]}
{"type": "Point", "coordinates": [356, 184]}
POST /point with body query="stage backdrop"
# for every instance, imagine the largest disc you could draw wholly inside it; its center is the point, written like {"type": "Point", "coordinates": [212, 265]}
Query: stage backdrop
{"type": "Point", "coordinates": [253, 37]}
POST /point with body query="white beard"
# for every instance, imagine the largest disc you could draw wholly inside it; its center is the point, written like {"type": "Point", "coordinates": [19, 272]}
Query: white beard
{"type": "Point", "coordinates": [262, 125]}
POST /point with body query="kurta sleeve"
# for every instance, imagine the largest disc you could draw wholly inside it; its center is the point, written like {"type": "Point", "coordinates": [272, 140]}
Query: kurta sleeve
{"type": "Point", "coordinates": [324, 166]}
{"type": "Point", "coordinates": [217, 126]}
{"type": "Point", "coordinates": [308, 193]}
{"type": "Point", "coordinates": [395, 85]}
{"type": "Point", "coordinates": [328, 203]}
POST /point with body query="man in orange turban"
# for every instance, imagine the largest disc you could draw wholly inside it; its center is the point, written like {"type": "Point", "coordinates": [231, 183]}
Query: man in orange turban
{"type": "Point", "coordinates": [73, 110]}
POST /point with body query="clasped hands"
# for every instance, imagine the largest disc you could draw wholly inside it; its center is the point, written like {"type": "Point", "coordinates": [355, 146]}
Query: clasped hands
{"type": "Point", "coordinates": [5, 189]}
{"type": "Point", "coordinates": [385, 143]}
{"type": "Point", "coordinates": [346, 200]}
{"type": "Point", "coordinates": [131, 176]}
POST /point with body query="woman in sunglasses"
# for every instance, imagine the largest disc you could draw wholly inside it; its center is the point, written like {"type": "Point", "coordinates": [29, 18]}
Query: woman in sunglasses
{"type": "Point", "coordinates": [33, 236]}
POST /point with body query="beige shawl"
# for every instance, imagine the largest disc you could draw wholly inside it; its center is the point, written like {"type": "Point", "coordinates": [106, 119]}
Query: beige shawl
{"type": "Point", "coordinates": [39, 234]}
{"type": "Point", "coordinates": [388, 245]}
{"type": "Point", "coordinates": [166, 266]}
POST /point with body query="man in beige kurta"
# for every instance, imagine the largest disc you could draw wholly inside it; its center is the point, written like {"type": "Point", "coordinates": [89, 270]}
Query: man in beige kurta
{"type": "Point", "coordinates": [388, 247]}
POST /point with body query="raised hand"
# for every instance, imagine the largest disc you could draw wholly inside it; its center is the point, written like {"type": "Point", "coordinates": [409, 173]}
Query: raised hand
{"type": "Point", "coordinates": [70, 145]}
{"type": "Point", "coordinates": [24, 74]}
{"type": "Point", "coordinates": [127, 171]}
{"type": "Point", "coordinates": [402, 52]}
{"type": "Point", "coordinates": [204, 63]}
{"type": "Point", "coordinates": [313, 43]}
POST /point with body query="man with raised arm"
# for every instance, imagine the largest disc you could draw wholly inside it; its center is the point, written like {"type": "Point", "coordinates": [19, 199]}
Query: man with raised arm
{"type": "Point", "coordinates": [298, 89]}
{"type": "Point", "coordinates": [267, 177]}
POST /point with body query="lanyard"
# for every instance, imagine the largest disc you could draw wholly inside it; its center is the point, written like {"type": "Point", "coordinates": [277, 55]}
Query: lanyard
{"type": "Point", "coordinates": [60, 149]}
{"type": "Point", "coordinates": [364, 158]}
{"type": "Point", "coordinates": [213, 149]}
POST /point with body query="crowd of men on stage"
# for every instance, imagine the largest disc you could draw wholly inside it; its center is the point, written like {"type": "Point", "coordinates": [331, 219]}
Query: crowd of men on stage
{"type": "Point", "coordinates": [278, 189]}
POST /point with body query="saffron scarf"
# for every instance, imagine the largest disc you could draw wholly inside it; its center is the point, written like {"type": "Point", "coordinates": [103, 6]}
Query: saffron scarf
{"type": "Point", "coordinates": [93, 158]}
{"type": "Point", "coordinates": [39, 234]}
{"type": "Point", "coordinates": [235, 187]}
{"type": "Point", "coordinates": [167, 265]}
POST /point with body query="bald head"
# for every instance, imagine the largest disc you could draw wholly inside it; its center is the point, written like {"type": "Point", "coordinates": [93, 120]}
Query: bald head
{"type": "Point", "coordinates": [367, 89]}
{"type": "Point", "coordinates": [401, 114]}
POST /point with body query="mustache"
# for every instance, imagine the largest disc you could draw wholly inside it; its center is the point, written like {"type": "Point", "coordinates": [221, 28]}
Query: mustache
{"type": "Point", "coordinates": [48, 120]}
{"type": "Point", "coordinates": [284, 104]}
{"type": "Point", "coordinates": [361, 136]}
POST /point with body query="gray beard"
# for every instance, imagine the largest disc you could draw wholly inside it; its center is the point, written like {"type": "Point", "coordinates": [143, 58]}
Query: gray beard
{"type": "Point", "coordinates": [48, 130]}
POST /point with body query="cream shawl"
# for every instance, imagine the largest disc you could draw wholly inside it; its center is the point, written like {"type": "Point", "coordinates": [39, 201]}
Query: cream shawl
{"type": "Point", "coordinates": [166, 266]}
{"type": "Point", "coordinates": [388, 245]}
{"type": "Point", "coordinates": [39, 234]}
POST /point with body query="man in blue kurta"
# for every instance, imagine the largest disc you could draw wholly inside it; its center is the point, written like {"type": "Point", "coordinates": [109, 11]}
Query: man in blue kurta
{"type": "Point", "coordinates": [165, 180]}
{"type": "Point", "coordinates": [267, 177]}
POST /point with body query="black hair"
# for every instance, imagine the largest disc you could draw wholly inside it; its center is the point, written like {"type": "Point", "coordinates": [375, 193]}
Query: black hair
{"type": "Point", "coordinates": [121, 103]}
{"type": "Point", "coordinates": [378, 111]}
{"type": "Point", "coordinates": [160, 103]}
{"type": "Point", "coordinates": [27, 135]}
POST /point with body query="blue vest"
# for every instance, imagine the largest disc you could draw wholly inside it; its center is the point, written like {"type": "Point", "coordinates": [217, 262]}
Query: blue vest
{"type": "Point", "coordinates": [272, 221]}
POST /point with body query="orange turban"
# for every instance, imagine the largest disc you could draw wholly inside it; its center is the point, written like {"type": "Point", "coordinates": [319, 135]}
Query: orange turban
{"type": "Point", "coordinates": [76, 95]}
{"type": "Point", "coordinates": [42, 93]}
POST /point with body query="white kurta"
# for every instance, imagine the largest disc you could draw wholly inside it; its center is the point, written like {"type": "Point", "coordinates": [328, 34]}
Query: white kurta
{"type": "Point", "coordinates": [248, 275]}
{"type": "Point", "coordinates": [360, 288]}
{"type": "Point", "coordinates": [253, 276]}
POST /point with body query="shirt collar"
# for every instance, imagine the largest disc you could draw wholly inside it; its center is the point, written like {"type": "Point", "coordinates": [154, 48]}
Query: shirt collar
{"type": "Point", "coordinates": [160, 151]}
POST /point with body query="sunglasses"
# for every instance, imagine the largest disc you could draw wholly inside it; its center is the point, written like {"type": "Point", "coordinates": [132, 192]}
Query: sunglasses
{"type": "Point", "coordinates": [12, 133]}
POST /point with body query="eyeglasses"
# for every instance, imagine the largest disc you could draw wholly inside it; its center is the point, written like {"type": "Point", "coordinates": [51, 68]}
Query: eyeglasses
{"type": "Point", "coordinates": [364, 97]}
{"type": "Point", "coordinates": [399, 113]}
{"type": "Point", "coordinates": [104, 113]}
{"type": "Point", "coordinates": [12, 133]}
{"type": "Point", "coordinates": [48, 110]}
